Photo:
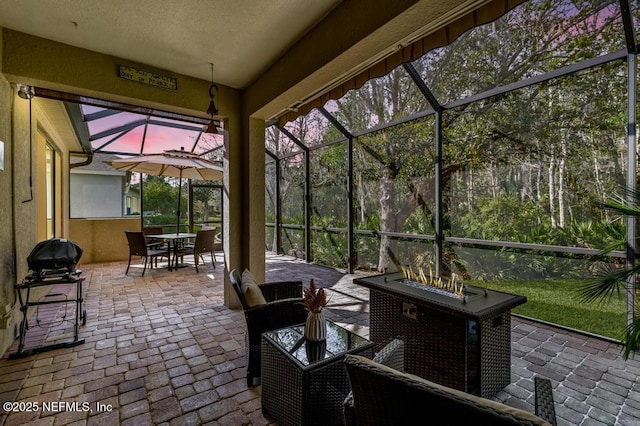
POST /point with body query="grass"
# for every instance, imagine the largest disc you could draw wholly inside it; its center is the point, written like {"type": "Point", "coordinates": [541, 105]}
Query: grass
{"type": "Point", "coordinates": [556, 301]}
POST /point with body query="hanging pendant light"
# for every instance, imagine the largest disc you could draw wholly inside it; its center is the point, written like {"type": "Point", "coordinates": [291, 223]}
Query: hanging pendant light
{"type": "Point", "coordinates": [212, 110]}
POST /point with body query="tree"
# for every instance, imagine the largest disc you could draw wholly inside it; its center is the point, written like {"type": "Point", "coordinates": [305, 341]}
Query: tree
{"type": "Point", "coordinates": [522, 132]}
{"type": "Point", "coordinates": [206, 203]}
{"type": "Point", "coordinates": [613, 280]}
{"type": "Point", "coordinates": [291, 174]}
{"type": "Point", "coordinates": [160, 197]}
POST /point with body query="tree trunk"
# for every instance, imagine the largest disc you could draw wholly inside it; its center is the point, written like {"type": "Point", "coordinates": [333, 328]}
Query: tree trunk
{"type": "Point", "coordinates": [494, 180]}
{"type": "Point", "coordinates": [470, 188]}
{"type": "Point", "coordinates": [561, 163]}
{"type": "Point", "coordinates": [387, 219]}
{"type": "Point", "coordinates": [539, 182]}
{"type": "Point", "coordinates": [361, 197]}
{"type": "Point", "coordinates": [552, 206]}
{"type": "Point", "coordinates": [527, 185]}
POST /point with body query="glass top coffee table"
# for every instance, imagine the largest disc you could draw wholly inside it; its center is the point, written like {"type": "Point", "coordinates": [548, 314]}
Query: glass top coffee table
{"type": "Point", "coordinates": [306, 382]}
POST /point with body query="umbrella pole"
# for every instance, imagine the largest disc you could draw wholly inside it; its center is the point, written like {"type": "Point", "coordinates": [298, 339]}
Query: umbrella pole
{"type": "Point", "coordinates": [179, 201]}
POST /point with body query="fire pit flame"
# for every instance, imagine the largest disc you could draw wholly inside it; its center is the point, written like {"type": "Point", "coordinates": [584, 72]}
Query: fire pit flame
{"type": "Point", "coordinates": [451, 285]}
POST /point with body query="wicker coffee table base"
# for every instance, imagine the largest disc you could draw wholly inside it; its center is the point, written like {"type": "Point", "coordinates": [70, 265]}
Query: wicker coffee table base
{"type": "Point", "coordinates": [297, 395]}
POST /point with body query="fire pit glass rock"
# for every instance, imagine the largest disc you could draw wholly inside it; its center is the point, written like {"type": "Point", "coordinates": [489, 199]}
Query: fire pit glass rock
{"type": "Point", "coordinates": [451, 287]}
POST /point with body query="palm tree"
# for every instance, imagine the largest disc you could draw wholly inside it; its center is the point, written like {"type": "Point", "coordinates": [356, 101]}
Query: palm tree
{"type": "Point", "coordinates": [612, 280]}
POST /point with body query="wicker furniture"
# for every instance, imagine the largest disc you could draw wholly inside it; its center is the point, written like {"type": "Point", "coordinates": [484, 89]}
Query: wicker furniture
{"type": "Point", "coordinates": [174, 242]}
{"type": "Point", "coordinates": [385, 396]}
{"type": "Point", "coordinates": [462, 343]}
{"type": "Point", "coordinates": [283, 307]}
{"type": "Point", "coordinates": [204, 243]}
{"type": "Point", "coordinates": [153, 242]}
{"type": "Point", "coordinates": [306, 382]}
{"type": "Point", "coordinates": [391, 356]}
{"type": "Point", "coordinates": [138, 247]}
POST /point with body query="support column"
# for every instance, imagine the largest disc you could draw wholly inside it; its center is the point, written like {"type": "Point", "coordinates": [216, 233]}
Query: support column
{"type": "Point", "coordinates": [231, 219]}
{"type": "Point", "coordinates": [254, 234]}
{"type": "Point", "coordinates": [244, 198]}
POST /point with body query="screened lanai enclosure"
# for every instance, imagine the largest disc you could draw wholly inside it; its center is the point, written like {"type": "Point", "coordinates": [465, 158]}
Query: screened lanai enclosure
{"type": "Point", "coordinates": [489, 156]}
{"type": "Point", "coordinates": [112, 131]}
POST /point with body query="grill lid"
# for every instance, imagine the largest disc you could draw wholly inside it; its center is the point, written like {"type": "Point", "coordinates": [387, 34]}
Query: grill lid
{"type": "Point", "coordinates": [56, 253]}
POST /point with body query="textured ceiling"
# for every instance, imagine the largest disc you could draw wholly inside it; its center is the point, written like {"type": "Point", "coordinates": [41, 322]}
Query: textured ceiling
{"type": "Point", "coordinates": [240, 37]}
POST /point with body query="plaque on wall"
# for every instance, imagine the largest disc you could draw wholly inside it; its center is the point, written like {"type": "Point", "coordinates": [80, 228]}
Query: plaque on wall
{"type": "Point", "coordinates": [146, 77]}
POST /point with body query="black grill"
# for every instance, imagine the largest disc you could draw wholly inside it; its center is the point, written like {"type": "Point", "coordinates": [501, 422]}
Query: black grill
{"type": "Point", "coordinates": [51, 263]}
{"type": "Point", "coordinates": [54, 254]}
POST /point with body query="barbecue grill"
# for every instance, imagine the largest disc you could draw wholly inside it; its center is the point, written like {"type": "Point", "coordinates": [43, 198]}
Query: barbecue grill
{"type": "Point", "coordinates": [51, 262]}
{"type": "Point", "coordinates": [54, 255]}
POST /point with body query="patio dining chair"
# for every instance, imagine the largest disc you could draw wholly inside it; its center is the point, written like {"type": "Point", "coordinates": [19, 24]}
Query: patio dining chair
{"type": "Point", "coordinates": [138, 247]}
{"type": "Point", "coordinates": [267, 306]}
{"type": "Point", "coordinates": [204, 243]}
{"type": "Point", "coordinates": [154, 243]}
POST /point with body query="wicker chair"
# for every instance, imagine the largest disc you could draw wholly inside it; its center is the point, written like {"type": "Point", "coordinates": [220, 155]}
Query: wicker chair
{"type": "Point", "coordinates": [383, 394]}
{"type": "Point", "coordinates": [205, 243]}
{"type": "Point", "coordinates": [154, 243]}
{"type": "Point", "coordinates": [138, 247]}
{"type": "Point", "coordinates": [284, 307]}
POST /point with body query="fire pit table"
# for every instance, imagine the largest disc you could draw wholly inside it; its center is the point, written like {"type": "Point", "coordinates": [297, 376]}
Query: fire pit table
{"type": "Point", "coordinates": [458, 340]}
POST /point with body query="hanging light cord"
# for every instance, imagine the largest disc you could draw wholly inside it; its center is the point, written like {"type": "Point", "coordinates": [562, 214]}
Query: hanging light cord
{"type": "Point", "coordinates": [30, 157]}
{"type": "Point", "coordinates": [213, 85]}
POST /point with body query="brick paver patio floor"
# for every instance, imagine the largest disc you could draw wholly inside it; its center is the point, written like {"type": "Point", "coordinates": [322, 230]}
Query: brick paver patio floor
{"type": "Point", "coordinates": [163, 349]}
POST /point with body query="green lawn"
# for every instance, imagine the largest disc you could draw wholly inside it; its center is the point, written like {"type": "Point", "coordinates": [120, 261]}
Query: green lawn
{"type": "Point", "coordinates": [556, 301]}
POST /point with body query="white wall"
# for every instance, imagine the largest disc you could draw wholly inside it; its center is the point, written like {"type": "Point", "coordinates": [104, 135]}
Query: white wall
{"type": "Point", "coordinates": [94, 195]}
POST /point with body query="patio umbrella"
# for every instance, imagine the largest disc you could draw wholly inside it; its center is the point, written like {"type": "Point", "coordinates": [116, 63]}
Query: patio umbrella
{"type": "Point", "coordinates": [174, 163]}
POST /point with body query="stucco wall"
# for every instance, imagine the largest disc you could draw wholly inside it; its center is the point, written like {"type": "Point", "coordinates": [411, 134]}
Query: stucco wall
{"type": "Point", "coordinates": [102, 240]}
{"type": "Point", "coordinates": [23, 206]}
{"type": "Point", "coordinates": [94, 195]}
{"type": "Point", "coordinates": [18, 208]}
{"type": "Point", "coordinates": [7, 259]}
{"type": "Point", "coordinates": [48, 64]}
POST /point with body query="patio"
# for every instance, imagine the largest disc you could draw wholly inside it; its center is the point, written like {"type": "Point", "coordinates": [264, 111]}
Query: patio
{"type": "Point", "coordinates": [164, 349]}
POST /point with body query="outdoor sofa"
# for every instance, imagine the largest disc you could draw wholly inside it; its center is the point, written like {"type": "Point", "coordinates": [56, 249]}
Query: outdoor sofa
{"type": "Point", "coordinates": [382, 394]}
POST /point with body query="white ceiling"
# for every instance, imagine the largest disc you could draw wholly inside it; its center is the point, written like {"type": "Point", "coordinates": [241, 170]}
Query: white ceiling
{"type": "Point", "coordinates": [240, 37]}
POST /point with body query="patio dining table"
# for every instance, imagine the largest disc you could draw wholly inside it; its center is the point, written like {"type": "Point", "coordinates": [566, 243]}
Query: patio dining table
{"type": "Point", "coordinates": [173, 244]}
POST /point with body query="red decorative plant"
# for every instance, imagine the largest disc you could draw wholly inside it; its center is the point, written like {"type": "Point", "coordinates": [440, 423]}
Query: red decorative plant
{"type": "Point", "coordinates": [315, 298]}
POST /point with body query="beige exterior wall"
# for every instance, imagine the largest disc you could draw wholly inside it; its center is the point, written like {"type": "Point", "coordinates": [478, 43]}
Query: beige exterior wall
{"type": "Point", "coordinates": [256, 197]}
{"type": "Point", "coordinates": [7, 236]}
{"type": "Point", "coordinates": [48, 64]}
{"type": "Point", "coordinates": [103, 240]}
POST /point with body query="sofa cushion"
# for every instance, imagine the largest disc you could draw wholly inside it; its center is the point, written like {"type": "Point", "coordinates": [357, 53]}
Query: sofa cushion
{"type": "Point", "coordinates": [392, 355]}
{"type": "Point", "coordinates": [251, 290]}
